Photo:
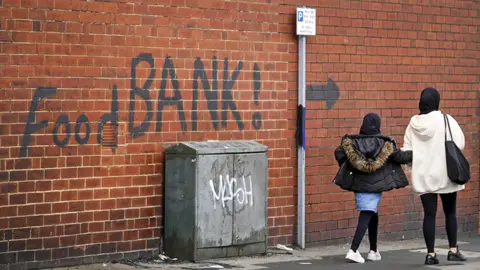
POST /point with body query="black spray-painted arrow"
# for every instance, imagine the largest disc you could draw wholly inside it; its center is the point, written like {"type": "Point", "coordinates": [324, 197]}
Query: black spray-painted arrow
{"type": "Point", "coordinates": [329, 92]}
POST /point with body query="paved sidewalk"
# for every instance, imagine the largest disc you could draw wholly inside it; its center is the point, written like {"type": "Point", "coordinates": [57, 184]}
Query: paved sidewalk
{"type": "Point", "coordinates": [395, 256]}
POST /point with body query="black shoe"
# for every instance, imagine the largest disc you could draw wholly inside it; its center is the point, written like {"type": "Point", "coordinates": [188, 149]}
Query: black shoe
{"type": "Point", "coordinates": [456, 257]}
{"type": "Point", "coordinates": [430, 260]}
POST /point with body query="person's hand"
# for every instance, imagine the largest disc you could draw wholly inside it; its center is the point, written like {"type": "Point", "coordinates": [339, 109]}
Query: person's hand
{"type": "Point", "coordinates": [408, 171]}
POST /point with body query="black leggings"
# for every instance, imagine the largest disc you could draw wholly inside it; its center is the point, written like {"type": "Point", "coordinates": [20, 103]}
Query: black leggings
{"type": "Point", "coordinates": [449, 203]}
{"type": "Point", "coordinates": [366, 219]}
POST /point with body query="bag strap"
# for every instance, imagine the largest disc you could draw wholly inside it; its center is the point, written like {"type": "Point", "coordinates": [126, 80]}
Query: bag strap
{"type": "Point", "coordinates": [447, 124]}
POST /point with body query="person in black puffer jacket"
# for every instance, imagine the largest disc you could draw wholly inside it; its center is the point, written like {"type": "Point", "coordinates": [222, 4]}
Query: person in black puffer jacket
{"type": "Point", "coordinates": [369, 165]}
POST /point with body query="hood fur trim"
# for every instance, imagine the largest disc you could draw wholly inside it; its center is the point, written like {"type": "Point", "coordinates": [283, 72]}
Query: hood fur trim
{"type": "Point", "coordinates": [361, 163]}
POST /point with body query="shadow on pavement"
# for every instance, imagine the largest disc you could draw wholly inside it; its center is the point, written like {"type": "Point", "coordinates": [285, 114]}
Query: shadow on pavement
{"type": "Point", "coordinates": [392, 260]}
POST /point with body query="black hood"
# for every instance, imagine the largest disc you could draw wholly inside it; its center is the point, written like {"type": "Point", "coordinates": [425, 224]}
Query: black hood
{"type": "Point", "coordinates": [371, 124]}
{"type": "Point", "coordinates": [429, 100]}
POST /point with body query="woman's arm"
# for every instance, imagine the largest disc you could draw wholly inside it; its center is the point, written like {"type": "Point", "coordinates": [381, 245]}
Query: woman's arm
{"type": "Point", "coordinates": [401, 157]}
{"type": "Point", "coordinates": [407, 139]}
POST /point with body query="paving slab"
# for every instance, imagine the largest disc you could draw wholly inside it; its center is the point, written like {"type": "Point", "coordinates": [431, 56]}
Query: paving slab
{"type": "Point", "coordinates": [406, 258]}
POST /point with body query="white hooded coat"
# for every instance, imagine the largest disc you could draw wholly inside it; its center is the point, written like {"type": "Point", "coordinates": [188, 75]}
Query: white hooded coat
{"type": "Point", "coordinates": [425, 136]}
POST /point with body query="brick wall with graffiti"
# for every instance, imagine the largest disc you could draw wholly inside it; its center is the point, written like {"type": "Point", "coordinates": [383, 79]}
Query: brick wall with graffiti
{"type": "Point", "coordinates": [92, 92]}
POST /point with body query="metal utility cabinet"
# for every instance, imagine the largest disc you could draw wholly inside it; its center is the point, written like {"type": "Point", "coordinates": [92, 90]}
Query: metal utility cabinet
{"type": "Point", "coordinates": [215, 199]}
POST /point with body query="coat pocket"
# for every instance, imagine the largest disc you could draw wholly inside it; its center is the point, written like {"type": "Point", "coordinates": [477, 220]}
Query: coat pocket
{"type": "Point", "coordinates": [345, 177]}
{"type": "Point", "coordinates": [399, 177]}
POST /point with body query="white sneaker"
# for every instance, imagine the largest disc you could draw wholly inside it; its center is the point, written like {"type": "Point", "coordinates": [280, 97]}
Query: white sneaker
{"type": "Point", "coordinates": [355, 256]}
{"type": "Point", "coordinates": [374, 256]}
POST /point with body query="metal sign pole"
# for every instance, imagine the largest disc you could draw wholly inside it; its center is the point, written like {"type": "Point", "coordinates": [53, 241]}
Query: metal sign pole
{"type": "Point", "coordinates": [301, 141]}
{"type": "Point", "coordinates": [306, 26]}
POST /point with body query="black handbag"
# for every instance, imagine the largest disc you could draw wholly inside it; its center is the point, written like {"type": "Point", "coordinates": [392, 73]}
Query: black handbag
{"type": "Point", "coordinates": [458, 168]}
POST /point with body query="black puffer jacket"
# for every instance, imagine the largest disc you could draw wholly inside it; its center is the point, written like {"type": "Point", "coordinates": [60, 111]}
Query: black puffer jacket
{"type": "Point", "coordinates": [370, 163]}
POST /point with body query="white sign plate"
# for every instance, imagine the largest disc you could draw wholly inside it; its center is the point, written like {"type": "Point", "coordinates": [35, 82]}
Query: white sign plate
{"type": "Point", "coordinates": [306, 21]}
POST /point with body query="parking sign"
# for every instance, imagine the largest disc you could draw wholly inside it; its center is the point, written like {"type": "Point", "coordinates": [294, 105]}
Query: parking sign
{"type": "Point", "coordinates": [306, 21]}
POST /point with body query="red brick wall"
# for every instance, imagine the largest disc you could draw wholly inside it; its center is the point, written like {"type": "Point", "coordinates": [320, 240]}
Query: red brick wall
{"type": "Point", "coordinates": [381, 55]}
{"type": "Point", "coordinates": [69, 198]}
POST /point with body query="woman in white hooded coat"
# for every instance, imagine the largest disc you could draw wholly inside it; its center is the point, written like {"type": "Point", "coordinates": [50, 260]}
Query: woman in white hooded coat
{"type": "Point", "coordinates": [425, 136]}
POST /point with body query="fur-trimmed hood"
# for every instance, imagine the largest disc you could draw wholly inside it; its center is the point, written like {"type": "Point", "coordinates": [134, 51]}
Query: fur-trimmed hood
{"type": "Point", "coordinates": [368, 153]}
